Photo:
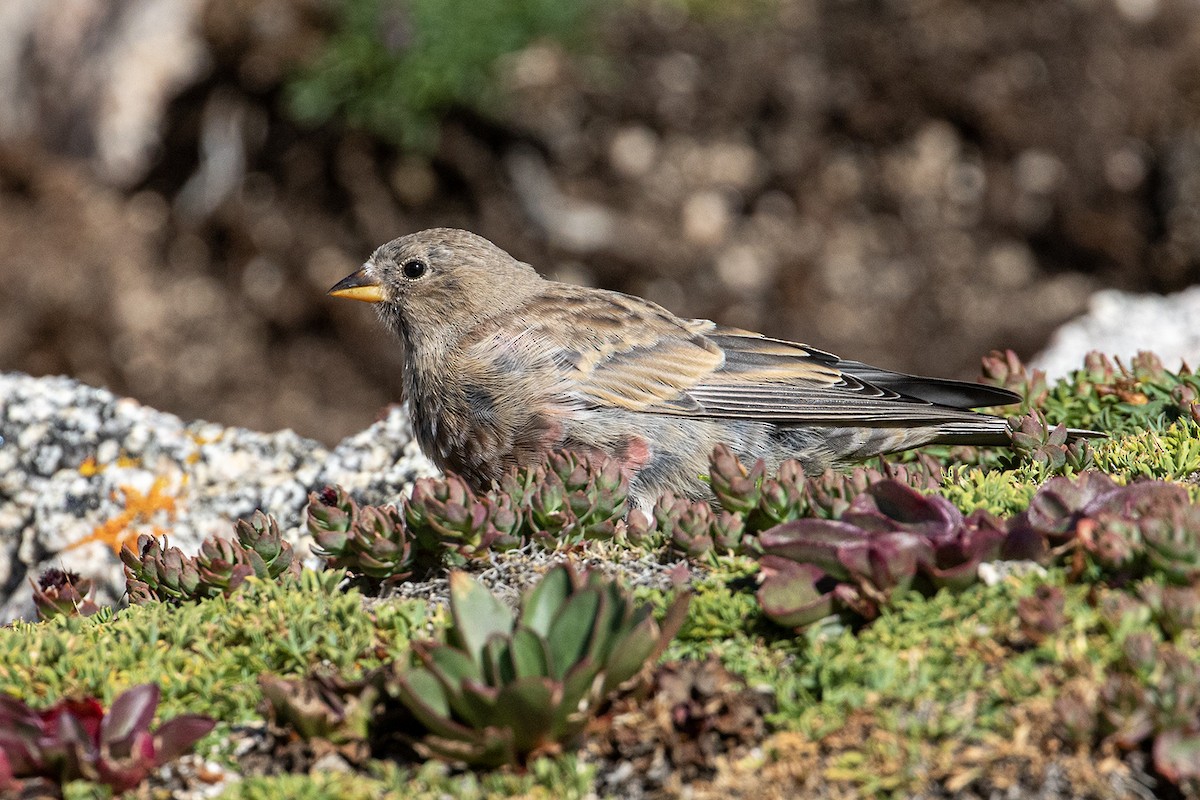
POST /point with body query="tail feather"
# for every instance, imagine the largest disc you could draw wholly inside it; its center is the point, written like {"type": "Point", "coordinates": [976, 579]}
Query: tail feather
{"type": "Point", "coordinates": [990, 431]}
{"type": "Point", "coordinates": [939, 391]}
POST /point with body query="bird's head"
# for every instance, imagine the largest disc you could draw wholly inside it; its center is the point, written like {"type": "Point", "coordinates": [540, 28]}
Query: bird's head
{"type": "Point", "coordinates": [435, 284]}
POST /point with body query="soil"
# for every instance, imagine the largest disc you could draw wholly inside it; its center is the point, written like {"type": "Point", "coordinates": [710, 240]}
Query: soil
{"type": "Point", "coordinates": [910, 184]}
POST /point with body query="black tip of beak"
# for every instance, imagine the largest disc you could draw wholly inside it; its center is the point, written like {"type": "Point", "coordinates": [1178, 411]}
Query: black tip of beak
{"type": "Point", "coordinates": [358, 286]}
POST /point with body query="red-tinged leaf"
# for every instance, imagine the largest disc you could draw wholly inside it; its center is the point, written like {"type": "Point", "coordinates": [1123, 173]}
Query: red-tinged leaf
{"type": "Point", "coordinates": [21, 754]}
{"type": "Point", "coordinates": [812, 541]}
{"type": "Point", "coordinates": [789, 594]}
{"type": "Point", "coordinates": [530, 654]}
{"type": "Point", "coordinates": [74, 749]}
{"type": "Point", "coordinates": [527, 706]}
{"type": "Point", "coordinates": [131, 713]}
{"type": "Point", "coordinates": [1061, 502]}
{"type": "Point", "coordinates": [630, 654]}
{"type": "Point", "coordinates": [8, 782]}
{"type": "Point", "coordinates": [672, 622]}
{"type": "Point", "coordinates": [954, 560]}
{"type": "Point", "coordinates": [1177, 755]}
{"type": "Point", "coordinates": [17, 718]}
{"type": "Point", "coordinates": [123, 774]}
{"type": "Point", "coordinates": [571, 631]}
{"type": "Point", "coordinates": [578, 686]}
{"type": "Point", "coordinates": [421, 693]}
{"type": "Point", "coordinates": [176, 736]}
{"type": "Point", "coordinates": [482, 700]}
{"type": "Point", "coordinates": [884, 562]}
{"type": "Point", "coordinates": [490, 747]}
{"type": "Point", "coordinates": [906, 505]}
{"type": "Point", "coordinates": [83, 715]}
{"type": "Point", "coordinates": [540, 606]}
{"type": "Point", "coordinates": [453, 669]}
{"type": "Point", "coordinates": [450, 662]}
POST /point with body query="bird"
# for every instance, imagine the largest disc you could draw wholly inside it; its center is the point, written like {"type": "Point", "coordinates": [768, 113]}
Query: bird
{"type": "Point", "coordinates": [502, 366]}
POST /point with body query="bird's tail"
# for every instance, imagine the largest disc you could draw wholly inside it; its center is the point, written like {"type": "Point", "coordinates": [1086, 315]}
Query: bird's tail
{"type": "Point", "coordinates": [994, 432]}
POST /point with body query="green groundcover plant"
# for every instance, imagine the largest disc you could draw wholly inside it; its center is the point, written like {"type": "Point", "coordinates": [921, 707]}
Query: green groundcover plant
{"type": "Point", "coordinates": [856, 599]}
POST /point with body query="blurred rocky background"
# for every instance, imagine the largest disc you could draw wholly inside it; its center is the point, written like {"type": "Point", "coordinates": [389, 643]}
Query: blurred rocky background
{"type": "Point", "coordinates": [908, 182]}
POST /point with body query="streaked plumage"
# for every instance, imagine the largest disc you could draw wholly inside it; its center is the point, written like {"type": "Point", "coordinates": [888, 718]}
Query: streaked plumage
{"type": "Point", "coordinates": [502, 365]}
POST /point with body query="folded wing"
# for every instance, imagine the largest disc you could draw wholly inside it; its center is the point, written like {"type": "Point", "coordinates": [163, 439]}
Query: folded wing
{"type": "Point", "coordinates": [636, 355]}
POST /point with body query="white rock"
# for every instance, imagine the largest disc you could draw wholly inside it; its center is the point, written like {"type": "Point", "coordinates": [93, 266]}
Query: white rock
{"type": "Point", "coordinates": [77, 462]}
{"type": "Point", "coordinates": [1121, 324]}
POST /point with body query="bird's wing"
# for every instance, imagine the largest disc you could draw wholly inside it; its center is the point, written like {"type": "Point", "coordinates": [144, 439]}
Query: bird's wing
{"type": "Point", "coordinates": [616, 350]}
{"type": "Point", "coordinates": [626, 352]}
{"type": "Point", "coordinates": [783, 381]}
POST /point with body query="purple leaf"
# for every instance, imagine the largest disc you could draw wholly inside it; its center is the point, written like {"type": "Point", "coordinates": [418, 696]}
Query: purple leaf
{"type": "Point", "coordinates": [956, 557]}
{"type": "Point", "coordinates": [891, 505]}
{"type": "Point", "coordinates": [1142, 499]}
{"type": "Point", "coordinates": [20, 754]}
{"type": "Point", "coordinates": [1061, 502]}
{"type": "Point", "coordinates": [884, 562]}
{"type": "Point", "coordinates": [176, 736]}
{"type": "Point", "coordinates": [1023, 543]}
{"type": "Point", "coordinates": [813, 541]}
{"type": "Point", "coordinates": [131, 713]}
{"type": "Point", "coordinates": [8, 781]}
{"type": "Point", "coordinates": [789, 593]}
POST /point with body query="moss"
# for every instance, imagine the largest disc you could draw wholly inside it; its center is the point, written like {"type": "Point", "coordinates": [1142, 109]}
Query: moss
{"type": "Point", "coordinates": [318, 786]}
{"type": "Point", "coordinates": [1002, 492]}
{"type": "Point", "coordinates": [206, 656]}
{"type": "Point", "coordinates": [936, 675]}
{"type": "Point", "coordinates": [1168, 453]}
{"type": "Point", "coordinates": [544, 779]}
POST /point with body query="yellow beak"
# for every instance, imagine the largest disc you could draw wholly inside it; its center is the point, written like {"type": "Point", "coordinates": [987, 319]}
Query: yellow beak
{"type": "Point", "coordinates": [358, 286]}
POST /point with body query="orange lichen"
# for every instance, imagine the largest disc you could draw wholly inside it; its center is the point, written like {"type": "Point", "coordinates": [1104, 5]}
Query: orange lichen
{"type": "Point", "coordinates": [90, 467]}
{"type": "Point", "coordinates": [200, 441]}
{"type": "Point", "coordinates": [138, 509]}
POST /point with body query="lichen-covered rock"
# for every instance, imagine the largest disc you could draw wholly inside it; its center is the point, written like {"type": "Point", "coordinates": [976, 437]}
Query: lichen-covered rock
{"type": "Point", "coordinates": [83, 471]}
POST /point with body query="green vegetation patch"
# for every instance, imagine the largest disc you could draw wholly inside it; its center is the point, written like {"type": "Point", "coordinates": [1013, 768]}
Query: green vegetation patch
{"type": "Point", "coordinates": [395, 68]}
{"type": "Point", "coordinates": [545, 778]}
{"type": "Point", "coordinates": [206, 657]}
{"type": "Point", "coordinates": [900, 669]}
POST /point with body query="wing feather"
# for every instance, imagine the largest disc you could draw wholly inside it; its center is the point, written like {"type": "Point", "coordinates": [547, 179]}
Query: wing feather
{"type": "Point", "coordinates": [633, 354]}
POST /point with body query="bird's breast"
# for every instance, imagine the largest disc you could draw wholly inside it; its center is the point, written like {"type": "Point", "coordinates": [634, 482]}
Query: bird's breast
{"type": "Point", "coordinates": [479, 427]}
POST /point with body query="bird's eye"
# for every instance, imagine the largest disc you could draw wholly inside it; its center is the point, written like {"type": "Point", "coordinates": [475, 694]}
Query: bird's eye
{"type": "Point", "coordinates": [413, 269]}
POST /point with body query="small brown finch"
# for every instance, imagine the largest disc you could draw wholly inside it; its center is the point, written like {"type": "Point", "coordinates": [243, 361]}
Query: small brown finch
{"type": "Point", "coordinates": [502, 366]}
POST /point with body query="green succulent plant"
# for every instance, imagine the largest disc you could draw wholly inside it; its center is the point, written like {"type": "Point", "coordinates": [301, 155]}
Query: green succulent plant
{"type": "Point", "coordinates": [567, 498]}
{"type": "Point", "coordinates": [446, 515]}
{"type": "Point", "coordinates": [764, 501]}
{"type": "Point", "coordinates": [60, 593]}
{"type": "Point", "coordinates": [157, 572]}
{"type": "Point", "coordinates": [508, 686]}
{"type": "Point", "coordinates": [371, 541]}
{"type": "Point", "coordinates": [1105, 394]}
{"type": "Point", "coordinates": [595, 491]}
{"type": "Point", "coordinates": [688, 527]}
